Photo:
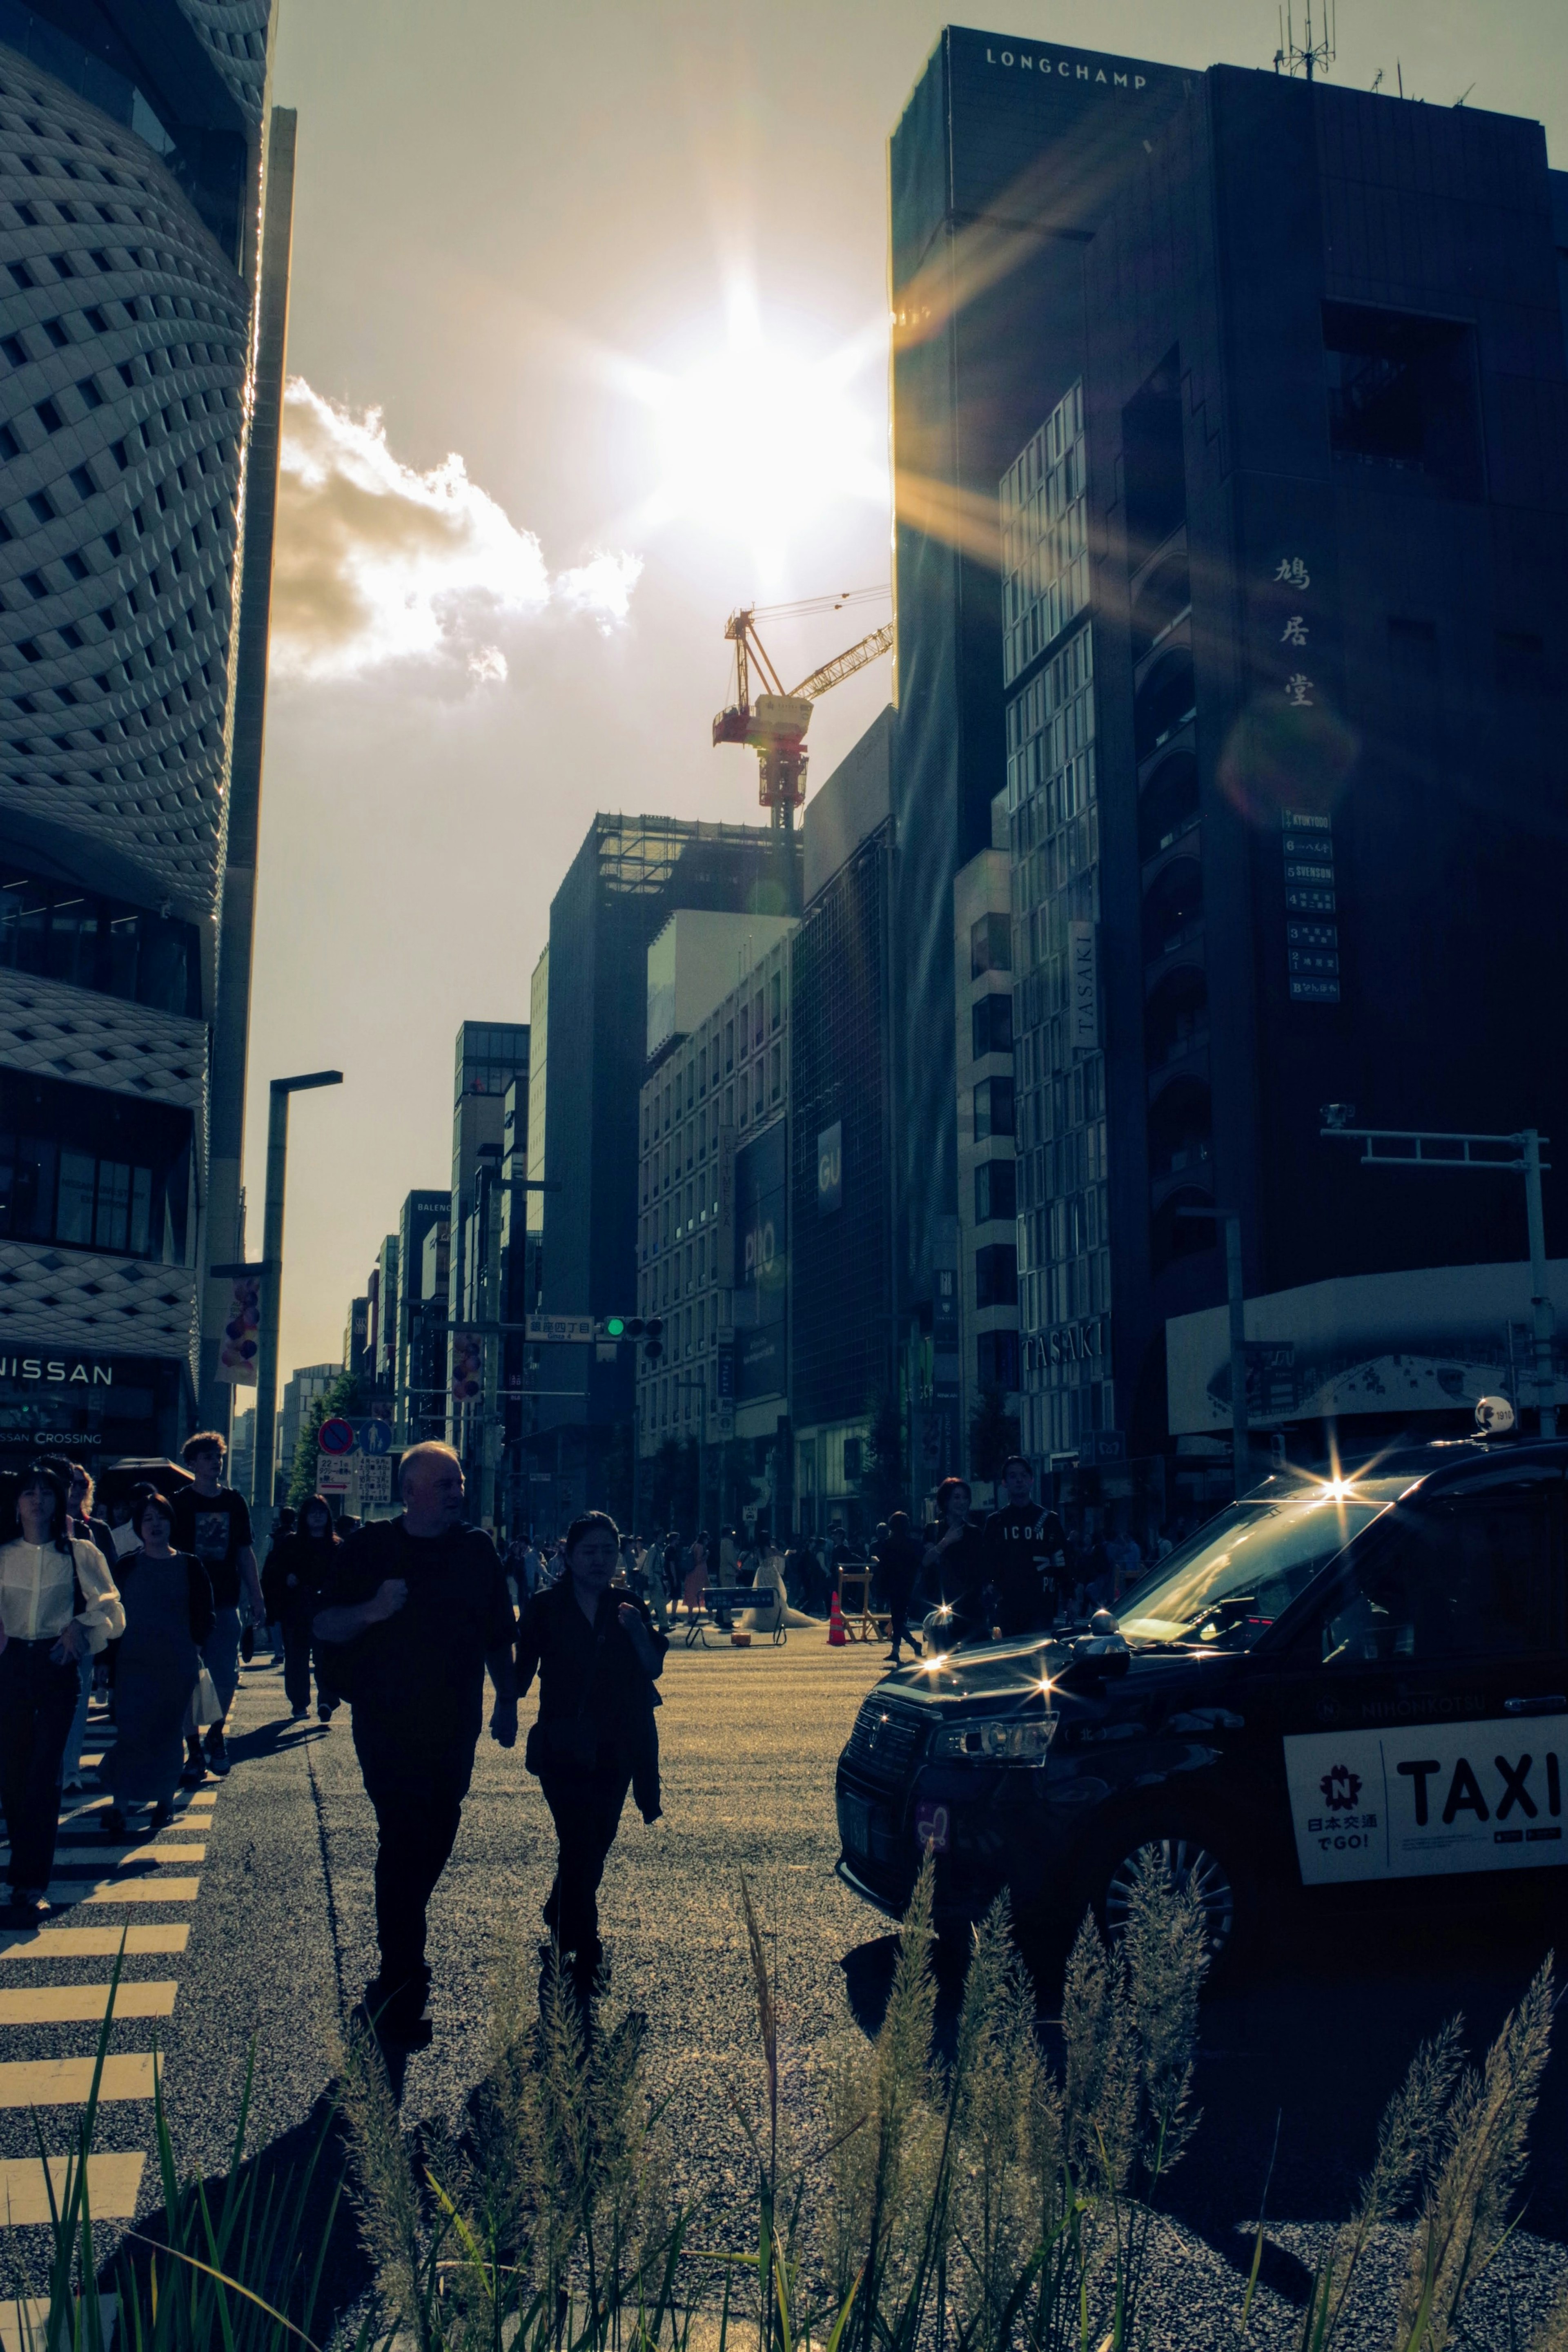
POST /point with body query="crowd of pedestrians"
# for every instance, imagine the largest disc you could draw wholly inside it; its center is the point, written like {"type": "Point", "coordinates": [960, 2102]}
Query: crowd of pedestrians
{"type": "Point", "coordinates": [155, 1604]}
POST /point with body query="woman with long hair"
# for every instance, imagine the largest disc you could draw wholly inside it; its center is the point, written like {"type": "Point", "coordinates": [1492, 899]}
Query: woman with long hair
{"type": "Point", "coordinates": [955, 1562]}
{"type": "Point", "coordinates": [292, 1583]}
{"type": "Point", "coordinates": [598, 1656]}
{"type": "Point", "coordinates": [57, 1604]}
{"type": "Point", "coordinates": [168, 1603]}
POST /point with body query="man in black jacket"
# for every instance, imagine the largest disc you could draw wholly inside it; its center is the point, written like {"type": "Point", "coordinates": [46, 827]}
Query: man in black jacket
{"type": "Point", "coordinates": [1027, 1550]}
{"type": "Point", "coordinates": [417, 1610]}
{"type": "Point", "coordinates": [597, 1655]}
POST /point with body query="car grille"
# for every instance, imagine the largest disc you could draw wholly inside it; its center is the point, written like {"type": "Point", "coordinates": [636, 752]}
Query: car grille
{"type": "Point", "coordinates": [886, 1739]}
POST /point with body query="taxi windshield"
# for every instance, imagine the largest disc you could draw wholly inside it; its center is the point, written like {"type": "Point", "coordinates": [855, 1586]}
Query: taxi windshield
{"type": "Point", "coordinates": [1227, 1584]}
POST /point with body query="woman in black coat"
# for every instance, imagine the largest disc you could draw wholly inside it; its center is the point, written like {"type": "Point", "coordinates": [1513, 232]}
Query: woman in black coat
{"type": "Point", "coordinates": [598, 1656]}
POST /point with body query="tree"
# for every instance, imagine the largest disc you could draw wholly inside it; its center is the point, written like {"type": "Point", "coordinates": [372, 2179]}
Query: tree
{"type": "Point", "coordinates": [993, 1435]}
{"type": "Point", "coordinates": [343, 1396]}
{"type": "Point", "coordinates": [884, 1480]}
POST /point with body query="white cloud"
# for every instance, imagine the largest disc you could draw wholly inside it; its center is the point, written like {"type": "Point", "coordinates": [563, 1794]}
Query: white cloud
{"type": "Point", "coordinates": [379, 563]}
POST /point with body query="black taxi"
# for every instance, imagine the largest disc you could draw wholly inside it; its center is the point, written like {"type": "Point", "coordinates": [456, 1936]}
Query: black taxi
{"type": "Point", "coordinates": [1340, 1686]}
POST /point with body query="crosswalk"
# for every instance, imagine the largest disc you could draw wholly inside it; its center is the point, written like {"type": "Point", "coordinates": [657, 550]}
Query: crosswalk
{"type": "Point", "coordinates": [101, 1897]}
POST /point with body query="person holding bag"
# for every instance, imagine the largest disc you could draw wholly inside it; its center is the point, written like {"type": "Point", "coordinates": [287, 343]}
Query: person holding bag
{"type": "Point", "coordinates": [58, 1603]}
{"type": "Point", "coordinates": [598, 1656]}
{"type": "Point", "coordinates": [168, 1602]}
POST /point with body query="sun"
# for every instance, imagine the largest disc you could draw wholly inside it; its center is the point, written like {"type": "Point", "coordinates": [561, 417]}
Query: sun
{"type": "Point", "coordinates": [755, 443]}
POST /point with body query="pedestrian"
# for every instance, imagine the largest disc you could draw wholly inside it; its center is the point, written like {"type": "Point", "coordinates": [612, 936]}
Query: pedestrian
{"type": "Point", "coordinates": [1028, 1547]}
{"type": "Point", "coordinates": [415, 1613]}
{"type": "Point", "coordinates": [296, 1575]}
{"type": "Point", "coordinates": [57, 1602]}
{"type": "Point", "coordinates": [693, 1592]}
{"type": "Point", "coordinates": [898, 1559]}
{"type": "Point", "coordinates": [671, 1570]}
{"type": "Point", "coordinates": [1126, 1562]}
{"type": "Point", "coordinates": [597, 1657]}
{"type": "Point", "coordinates": [955, 1563]}
{"type": "Point", "coordinates": [211, 1521]}
{"type": "Point", "coordinates": [283, 1525]}
{"type": "Point", "coordinates": [83, 1522]}
{"type": "Point", "coordinates": [167, 1597]}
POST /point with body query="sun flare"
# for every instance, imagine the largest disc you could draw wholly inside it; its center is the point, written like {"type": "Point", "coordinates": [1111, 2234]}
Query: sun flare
{"type": "Point", "coordinates": [755, 443]}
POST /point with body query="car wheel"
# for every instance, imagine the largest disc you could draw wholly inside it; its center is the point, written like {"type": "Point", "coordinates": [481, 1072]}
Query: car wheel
{"type": "Point", "coordinates": [1188, 1860]}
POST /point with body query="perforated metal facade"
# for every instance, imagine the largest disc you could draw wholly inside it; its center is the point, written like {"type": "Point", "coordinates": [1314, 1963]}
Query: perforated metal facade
{"type": "Point", "coordinates": [124, 347]}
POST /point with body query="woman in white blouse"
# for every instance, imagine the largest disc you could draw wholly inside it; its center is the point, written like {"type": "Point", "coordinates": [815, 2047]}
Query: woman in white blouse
{"type": "Point", "coordinates": [57, 1601]}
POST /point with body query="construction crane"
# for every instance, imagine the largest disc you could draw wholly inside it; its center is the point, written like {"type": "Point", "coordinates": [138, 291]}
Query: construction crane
{"type": "Point", "coordinates": [775, 724]}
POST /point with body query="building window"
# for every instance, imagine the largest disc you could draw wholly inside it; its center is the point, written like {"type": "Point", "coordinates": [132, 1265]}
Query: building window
{"type": "Point", "coordinates": [996, 1359]}
{"type": "Point", "coordinates": [993, 1107]}
{"type": "Point", "coordinates": [777, 999]}
{"type": "Point", "coordinates": [1402, 394]}
{"type": "Point", "coordinates": [777, 1072]}
{"type": "Point", "coordinates": [990, 945]}
{"type": "Point", "coordinates": [996, 1276]}
{"type": "Point", "coordinates": [56, 931]}
{"type": "Point", "coordinates": [1521, 663]}
{"type": "Point", "coordinates": [729, 1051]}
{"type": "Point", "coordinates": [991, 1023]}
{"type": "Point", "coordinates": [93, 1170]}
{"type": "Point", "coordinates": [1045, 558]}
{"type": "Point", "coordinates": [995, 1190]}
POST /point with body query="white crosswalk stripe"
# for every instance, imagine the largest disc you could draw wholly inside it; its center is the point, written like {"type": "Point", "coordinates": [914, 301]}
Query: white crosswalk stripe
{"type": "Point", "coordinates": [129, 1879]}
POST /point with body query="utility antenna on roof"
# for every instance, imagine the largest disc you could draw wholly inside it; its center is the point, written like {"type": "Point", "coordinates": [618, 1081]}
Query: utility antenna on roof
{"type": "Point", "coordinates": [1306, 56]}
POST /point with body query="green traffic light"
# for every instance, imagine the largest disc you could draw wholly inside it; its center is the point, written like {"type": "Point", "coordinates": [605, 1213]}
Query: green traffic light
{"type": "Point", "coordinates": [615, 1327]}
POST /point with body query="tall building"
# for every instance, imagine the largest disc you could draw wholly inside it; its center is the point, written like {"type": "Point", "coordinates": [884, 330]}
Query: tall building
{"type": "Point", "coordinates": [849, 1392]}
{"type": "Point", "coordinates": [713, 1208]}
{"type": "Point", "coordinates": [1006, 159]}
{"type": "Point", "coordinates": [129, 145]}
{"type": "Point", "coordinates": [492, 1056]}
{"type": "Point", "coordinates": [987, 1349]}
{"type": "Point", "coordinates": [304, 1387]}
{"type": "Point", "coordinates": [1273, 404]}
{"type": "Point", "coordinates": [630, 875]}
{"type": "Point", "coordinates": [419, 1332]}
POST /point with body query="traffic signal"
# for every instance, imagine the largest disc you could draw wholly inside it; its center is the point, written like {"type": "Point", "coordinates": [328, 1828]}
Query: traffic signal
{"type": "Point", "coordinates": [652, 1340]}
{"type": "Point", "coordinates": [615, 1327]}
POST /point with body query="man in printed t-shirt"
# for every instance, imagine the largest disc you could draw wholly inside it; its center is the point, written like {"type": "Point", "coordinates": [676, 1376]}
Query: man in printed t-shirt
{"type": "Point", "coordinates": [213, 1521]}
{"type": "Point", "coordinates": [1028, 1548]}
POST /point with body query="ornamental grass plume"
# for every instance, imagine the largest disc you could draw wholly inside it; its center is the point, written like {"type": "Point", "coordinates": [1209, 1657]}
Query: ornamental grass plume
{"type": "Point", "coordinates": [1464, 2218]}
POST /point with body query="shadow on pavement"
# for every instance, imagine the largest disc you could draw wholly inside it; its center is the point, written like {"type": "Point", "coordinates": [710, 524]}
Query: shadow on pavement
{"type": "Point", "coordinates": [278, 1737]}
{"type": "Point", "coordinates": [326, 2224]}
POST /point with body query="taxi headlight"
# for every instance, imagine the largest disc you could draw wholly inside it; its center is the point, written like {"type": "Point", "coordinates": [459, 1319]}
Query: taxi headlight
{"type": "Point", "coordinates": [1024, 1742]}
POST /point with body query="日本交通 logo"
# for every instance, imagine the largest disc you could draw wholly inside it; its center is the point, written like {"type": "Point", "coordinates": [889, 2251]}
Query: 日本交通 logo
{"type": "Point", "coordinates": [1341, 1788]}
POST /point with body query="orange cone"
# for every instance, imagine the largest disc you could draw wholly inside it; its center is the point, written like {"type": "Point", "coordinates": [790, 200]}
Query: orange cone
{"type": "Point", "coordinates": [837, 1636]}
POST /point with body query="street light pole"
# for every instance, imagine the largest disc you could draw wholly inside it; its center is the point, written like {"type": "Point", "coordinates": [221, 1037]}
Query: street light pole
{"type": "Point", "coordinates": [263, 1467]}
{"type": "Point", "coordinates": [1236, 1301]}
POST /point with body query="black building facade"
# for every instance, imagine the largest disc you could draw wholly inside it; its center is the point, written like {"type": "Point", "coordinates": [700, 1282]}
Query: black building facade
{"type": "Point", "coordinates": [630, 875]}
{"type": "Point", "coordinates": [1276, 666]}
{"type": "Point", "coordinates": [845, 1391]}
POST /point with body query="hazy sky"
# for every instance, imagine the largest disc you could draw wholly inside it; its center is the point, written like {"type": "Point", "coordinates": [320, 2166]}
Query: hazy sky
{"type": "Point", "coordinates": [588, 328]}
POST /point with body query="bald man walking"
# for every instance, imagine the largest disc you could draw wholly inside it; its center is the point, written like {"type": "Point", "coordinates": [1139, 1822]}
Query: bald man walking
{"type": "Point", "coordinates": [416, 1610]}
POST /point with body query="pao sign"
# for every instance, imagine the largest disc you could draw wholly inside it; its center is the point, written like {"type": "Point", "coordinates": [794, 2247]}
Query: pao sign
{"type": "Point", "coordinates": [1424, 1801]}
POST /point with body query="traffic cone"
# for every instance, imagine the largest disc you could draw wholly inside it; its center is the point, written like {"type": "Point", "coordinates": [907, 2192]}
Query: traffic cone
{"type": "Point", "coordinates": [837, 1636]}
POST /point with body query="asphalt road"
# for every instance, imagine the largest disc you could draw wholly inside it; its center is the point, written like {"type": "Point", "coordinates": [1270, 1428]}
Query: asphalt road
{"type": "Point", "coordinates": [280, 1937]}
